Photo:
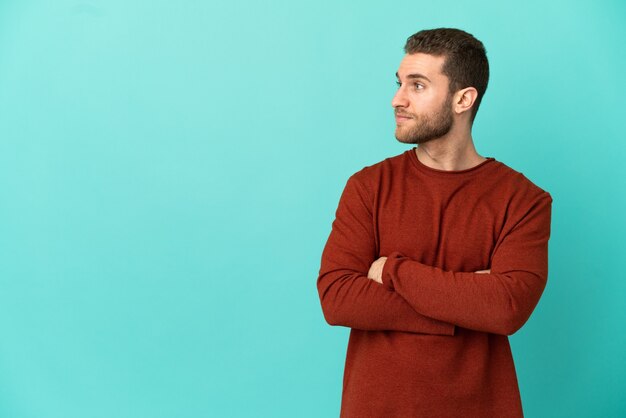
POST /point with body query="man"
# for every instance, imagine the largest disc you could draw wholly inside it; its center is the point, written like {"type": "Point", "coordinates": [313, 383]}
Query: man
{"type": "Point", "coordinates": [436, 255]}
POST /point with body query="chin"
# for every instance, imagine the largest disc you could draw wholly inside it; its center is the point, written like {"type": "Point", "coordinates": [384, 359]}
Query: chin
{"type": "Point", "coordinates": [405, 139]}
{"type": "Point", "coordinates": [412, 140]}
{"type": "Point", "coordinates": [399, 136]}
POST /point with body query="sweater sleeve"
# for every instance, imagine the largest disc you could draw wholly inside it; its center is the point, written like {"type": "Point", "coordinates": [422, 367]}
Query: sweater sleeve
{"type": "Point", "coordinates": [348, 297]}
{"type": "Point", "coordinates": [498, 302]}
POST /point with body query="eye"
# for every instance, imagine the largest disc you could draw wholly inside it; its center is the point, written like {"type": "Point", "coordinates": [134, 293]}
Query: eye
{"type": "Point", "coordinates": [419, 86]}
{"type": "Point", "coordinates": [398, 84]}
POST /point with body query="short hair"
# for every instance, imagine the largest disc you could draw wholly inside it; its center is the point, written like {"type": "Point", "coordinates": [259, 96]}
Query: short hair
{"type": "Point", "coordinates": [465, 63]}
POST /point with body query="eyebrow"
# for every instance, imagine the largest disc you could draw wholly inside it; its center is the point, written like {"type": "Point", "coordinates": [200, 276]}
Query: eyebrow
{"type": "Point", "coordinates": [415, 75]}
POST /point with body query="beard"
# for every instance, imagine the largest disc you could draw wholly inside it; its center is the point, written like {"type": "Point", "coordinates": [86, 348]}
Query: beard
{"type": "Point", "coordinates": [425, 128]}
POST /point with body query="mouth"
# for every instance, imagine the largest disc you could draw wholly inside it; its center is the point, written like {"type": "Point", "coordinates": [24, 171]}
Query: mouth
{"type": "Point", "coordinates": [402, 118]}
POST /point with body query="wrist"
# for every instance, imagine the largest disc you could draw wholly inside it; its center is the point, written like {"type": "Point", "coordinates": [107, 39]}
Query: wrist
{"type": "Point", "coordinates": [389, 269]}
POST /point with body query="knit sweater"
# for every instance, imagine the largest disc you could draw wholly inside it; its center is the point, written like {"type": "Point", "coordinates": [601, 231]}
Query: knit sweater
{"type": "Point", "coordinates": [432, 339]}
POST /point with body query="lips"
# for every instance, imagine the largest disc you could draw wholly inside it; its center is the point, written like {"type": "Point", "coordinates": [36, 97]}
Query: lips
{"type": "Point", "coordinates": [401, 118]}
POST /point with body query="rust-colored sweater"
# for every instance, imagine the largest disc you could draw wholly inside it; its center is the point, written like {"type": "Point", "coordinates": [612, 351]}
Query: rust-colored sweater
{"type": "Point", "coordinates": [431, 340]}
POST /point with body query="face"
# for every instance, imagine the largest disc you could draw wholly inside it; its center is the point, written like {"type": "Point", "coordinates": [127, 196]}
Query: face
{"type": "Point", "coordinates": [422, 104]}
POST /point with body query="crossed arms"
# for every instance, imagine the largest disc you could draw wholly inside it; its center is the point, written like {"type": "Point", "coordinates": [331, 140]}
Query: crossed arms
{"type": "Point", "coordinates": [359, 290]}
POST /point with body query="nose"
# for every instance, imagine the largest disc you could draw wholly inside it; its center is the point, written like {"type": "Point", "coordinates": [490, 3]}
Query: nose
{"type": "Point", "coordinates": [399, 99]}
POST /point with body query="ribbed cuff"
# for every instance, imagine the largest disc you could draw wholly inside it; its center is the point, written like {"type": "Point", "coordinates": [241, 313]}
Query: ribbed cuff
{"type": "Point", "coordinates": [390, 269]}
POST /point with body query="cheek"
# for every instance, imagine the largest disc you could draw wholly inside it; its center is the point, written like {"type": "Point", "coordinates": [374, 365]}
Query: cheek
{"type": "Point", "coordinates": [427, 99]}
{"type": "Point", "coordinates": [419, 105]}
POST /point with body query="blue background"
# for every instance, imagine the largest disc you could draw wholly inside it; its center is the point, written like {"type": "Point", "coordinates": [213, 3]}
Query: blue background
{"type": "Point", "coordinates": [169, 172]}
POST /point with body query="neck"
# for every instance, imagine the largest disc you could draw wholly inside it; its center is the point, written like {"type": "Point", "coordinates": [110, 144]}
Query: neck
{"type": "Point", "coordinates": [449, 152]}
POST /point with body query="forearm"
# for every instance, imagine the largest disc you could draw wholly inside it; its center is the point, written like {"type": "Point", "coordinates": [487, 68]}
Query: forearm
{"type": "Point", "coordinates": [350, 299]}
{"type": "Point", "coordinates": [491, 302]}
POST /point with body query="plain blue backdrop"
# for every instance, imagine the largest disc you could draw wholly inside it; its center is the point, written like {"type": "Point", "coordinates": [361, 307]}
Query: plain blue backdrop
{"type": "Point", "coordinates": [169, 172]}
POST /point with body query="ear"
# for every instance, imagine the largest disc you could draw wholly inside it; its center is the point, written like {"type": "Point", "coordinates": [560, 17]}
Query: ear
{"type": "Point", "coordinates": [464, 99]}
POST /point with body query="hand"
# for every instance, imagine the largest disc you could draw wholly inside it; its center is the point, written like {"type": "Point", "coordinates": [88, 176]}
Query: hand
{"type": "Point", "coordinates": [376, 270]}
{"type": "Point", "coordinates": [483, 271]}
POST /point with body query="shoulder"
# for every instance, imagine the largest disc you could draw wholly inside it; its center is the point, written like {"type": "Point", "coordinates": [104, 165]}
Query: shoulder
{"type": "Point", "coordinates": [520, 195]}
{"type": "Point", "coordinates": [372, 174]}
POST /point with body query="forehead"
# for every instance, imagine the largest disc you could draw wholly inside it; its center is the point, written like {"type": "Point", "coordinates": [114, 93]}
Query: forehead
{"type": "Point", "coordinates": [425, 64]}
